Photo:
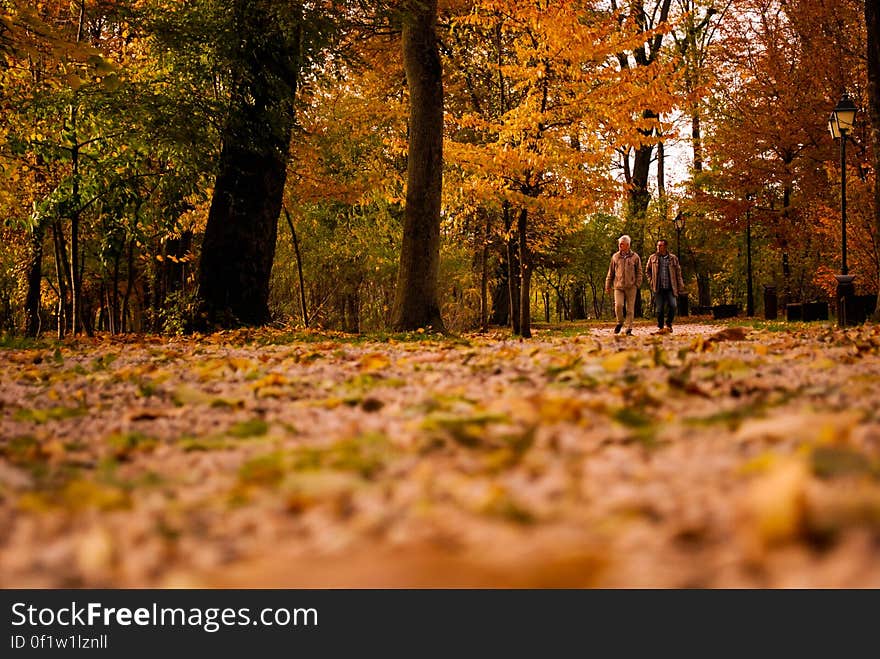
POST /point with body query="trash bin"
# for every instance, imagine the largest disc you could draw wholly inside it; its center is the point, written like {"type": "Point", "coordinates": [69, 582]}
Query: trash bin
{"type": "Point", "coordinates": [770, 302]}
{"type": "Point", "coordinates": [683, 304]}
{"type": "Point", "coordinates": [815, 311]}
{"type": "Point", "coordinates": [720, 311]}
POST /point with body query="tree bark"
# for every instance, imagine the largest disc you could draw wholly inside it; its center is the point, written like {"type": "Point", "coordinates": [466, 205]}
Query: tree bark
{"type": "Point", "coordinates": [34, 277]}
{"type": "Point", "coordinates": [525, 268]}
{"type": "Point", "coordinates": [513, 269]}
{"type": "Point", "coordinates": [299, 268]}
{"type": "Point", "coordinates": [242, 228]}
{"type": "Point", "coordinates": [124, 325]}
{"type": "Point", "coordinates": [501, 294]}
{"type": "Point", "coordinates": [697, 139]}
{"type": "Point", "coordinates": [62, 271]}
{"type": "Point", "coordinates": [484, 273]}
{"type": "Point", "coordinates": [872, 21]}
{"type": "Point", "coordinates": [416, 300]}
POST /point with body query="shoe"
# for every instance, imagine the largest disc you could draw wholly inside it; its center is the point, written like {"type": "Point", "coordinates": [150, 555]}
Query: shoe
{"type": "Point", "coordinates": [629, 332]}
{"type": "Point", "coordinates": [617, 329]}
{"type": "Point", "coordinates": [659, 331]}
{"type": "Point", "coordinates": [669, 329]}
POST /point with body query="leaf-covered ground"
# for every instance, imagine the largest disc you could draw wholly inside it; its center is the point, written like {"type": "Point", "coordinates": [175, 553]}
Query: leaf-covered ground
{"type": "Point", "coordinates": [718, 456]}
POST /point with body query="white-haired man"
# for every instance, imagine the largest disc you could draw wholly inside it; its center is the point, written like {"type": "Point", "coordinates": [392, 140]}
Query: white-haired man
{"type": "Point", "coordinates": [624, 277]}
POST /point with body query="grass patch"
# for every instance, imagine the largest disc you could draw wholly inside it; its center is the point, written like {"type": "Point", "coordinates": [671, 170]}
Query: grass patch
{"type": "Point", "coordinates": [308, 336]}
{"type": "Point", "coordinates": [126, 443]}
{"type": "Point", "coordinates": [468, 431]}
{"type": "Point", "coordinates": [779, 325]}
{"type": "Point", "coordinates": [17, 342]}
{"type": "Point", "coordinates": [41, 416]}
{"type": "Point", "coordinates": [249, 428]}
{"type": "Point", "coordinates": [263, 470]}
{"type": "Point", "coordinates": [365, 454]}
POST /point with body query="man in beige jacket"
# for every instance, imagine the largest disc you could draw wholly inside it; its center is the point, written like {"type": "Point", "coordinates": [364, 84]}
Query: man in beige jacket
{"type": "Point", "coordinates": [625, 277]}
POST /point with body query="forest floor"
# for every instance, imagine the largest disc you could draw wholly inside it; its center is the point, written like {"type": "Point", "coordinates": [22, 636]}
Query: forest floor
{"type": "Point", "coordinates": [719, 456]}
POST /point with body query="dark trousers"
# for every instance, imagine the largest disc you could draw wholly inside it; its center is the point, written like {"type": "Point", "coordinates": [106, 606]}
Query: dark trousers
{"type": "Point", "coordinates": [665, 302]}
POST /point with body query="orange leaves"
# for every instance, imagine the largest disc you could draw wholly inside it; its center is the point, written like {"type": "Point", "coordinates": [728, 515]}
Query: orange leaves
{"type": "Point", "coordinates": [543, 80]}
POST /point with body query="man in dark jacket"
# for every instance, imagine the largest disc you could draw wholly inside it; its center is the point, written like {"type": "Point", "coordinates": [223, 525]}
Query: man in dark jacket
{"type": "Point", "coordinates": [664, 275]}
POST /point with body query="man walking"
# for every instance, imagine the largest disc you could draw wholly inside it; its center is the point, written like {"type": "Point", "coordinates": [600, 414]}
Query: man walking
{"type": "Point", "coordinates": [625, 277]}
{"type": "Point", "coordinates": [664, 277]}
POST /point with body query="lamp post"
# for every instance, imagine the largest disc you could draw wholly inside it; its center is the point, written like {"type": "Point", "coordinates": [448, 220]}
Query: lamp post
{"type": "Point", "coordinates": [840, 123]}
{"type": "Point", "coordinates": [678, 224]}
{"type": "Point", "coordinates": [750, 294]}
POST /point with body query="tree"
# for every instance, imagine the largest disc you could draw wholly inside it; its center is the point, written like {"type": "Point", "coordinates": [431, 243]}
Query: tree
{"type": "Point", "coordinates": [239, 243]}
{"type": "Point", "coordinates": [542, 103]}
{"type": "Point", "coordinates": [774, 88]}
{"type": "Point", "coordinates": [416, 303]}
{"type": "Point", "coordinates": [872, 23]}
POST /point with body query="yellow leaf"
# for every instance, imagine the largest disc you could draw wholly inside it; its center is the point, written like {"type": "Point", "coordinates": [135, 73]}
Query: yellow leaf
{"type": "Point", "coordinates": [616, 362]}
{"type": "Point", "coordinates": [73, 80]}
{"type": "Point", "coordinates": [374, 362]}
{"type": "Point", "coordinates": [773, 509]}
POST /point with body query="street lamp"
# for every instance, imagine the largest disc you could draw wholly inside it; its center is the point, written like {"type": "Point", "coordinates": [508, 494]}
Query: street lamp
{"type": "Point", "coordinates": [750, 295]}
{"type": "Point", "coordinates": [840, 123]}
{"type": "Point", "coordinates": [678, 223]}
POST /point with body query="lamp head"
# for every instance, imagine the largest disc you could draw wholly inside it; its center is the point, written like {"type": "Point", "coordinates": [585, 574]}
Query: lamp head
{"type": "Point", "coordinates": [842, 117]}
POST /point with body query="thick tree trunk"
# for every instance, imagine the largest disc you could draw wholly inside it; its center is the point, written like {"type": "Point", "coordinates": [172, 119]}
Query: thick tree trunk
{"type": "Point", "coordinates": [34, 277]}
{"type": "Point", "coordinates": [240, 237]}
{"type": "Point", "coordinates": [416, 301]}
{"type": "Point", "coordinates": [639, 195]}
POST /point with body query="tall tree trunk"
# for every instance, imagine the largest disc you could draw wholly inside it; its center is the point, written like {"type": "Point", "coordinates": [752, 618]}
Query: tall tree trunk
{"type": "Point", "coordinates": [501, 293]}
{"type": "Point", "coordinates": [299, 268]}
{"type": "Point", "coordinates": [661, 181]}
{"type": "Point", "coordinates": [74, 280]}
{"type": "Point", "coordinates": [34, 278]}
{"type": "Point", "coordinates": [786, 266]}
{"type": "Point", "coordinates": [639, 195]}
{"type": "Point", "coordinates": [352, 311]}
{"type": "Point", "coordinates": [525, 268]}
{"type": "Point", "coordinates": [872, 21]}
{"type": "Point", "coordinates": [513, 267]}
{"type": "Point", "coordinates": [697, 138]}
{"type": "Point", "coordinates": [704, 294]}
{"type": "Point", "coordinates": [240, 237]}
{"type": "Point", "coordinates": [123, 325]}
{"type": "Point", "coordinates": [578, 309]}
{"type": "Point", "coordinates": [62, 272]}
{"type": "Point", "coordinates": [484, 274]}
{"type": "Point", "coordinates": [416, 301]}
{"type": "Point", "coordinates": [116, 315]}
